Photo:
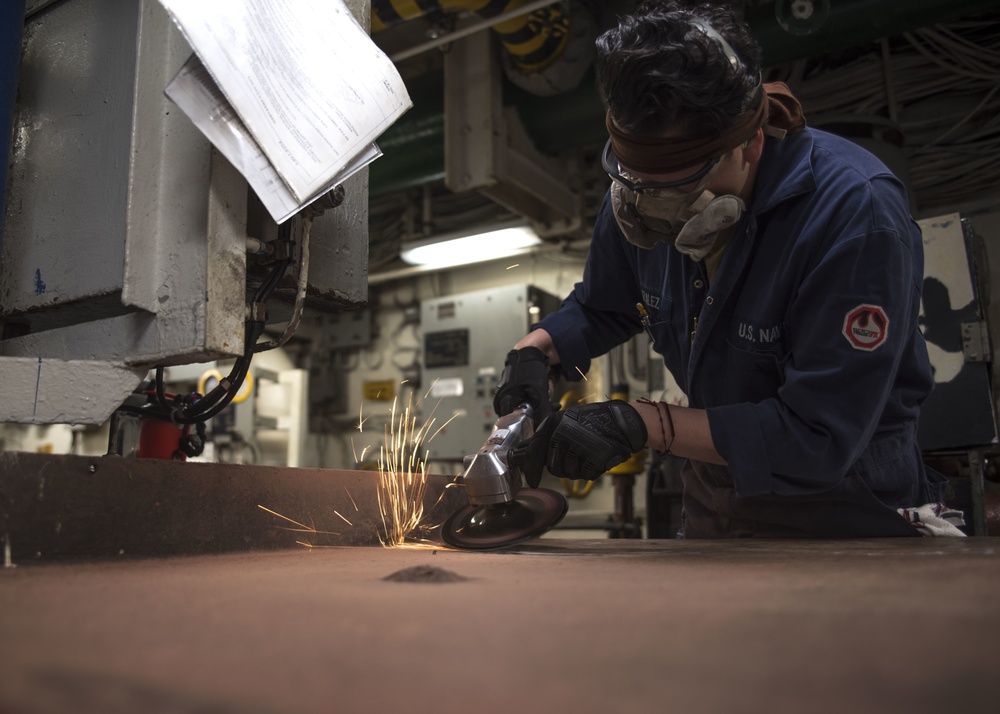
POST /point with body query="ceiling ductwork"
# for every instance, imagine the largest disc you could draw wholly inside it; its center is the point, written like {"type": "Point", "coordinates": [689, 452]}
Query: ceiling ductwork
{"type": "Point", "coordinates": [544, 48]}
{"type": "Point", "coordinates": [415, 146]}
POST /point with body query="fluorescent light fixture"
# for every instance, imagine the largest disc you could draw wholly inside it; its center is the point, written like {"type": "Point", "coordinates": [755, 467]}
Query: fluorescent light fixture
{"type": "Point", "coordinates": [461, 248]}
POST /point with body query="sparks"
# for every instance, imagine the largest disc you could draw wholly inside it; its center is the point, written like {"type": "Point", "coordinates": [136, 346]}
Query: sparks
{"type": "Point", "coordinates": [515, 265]}
{"type": "Point", "coordinates": [453, 416]}
{"type": "Point", "coordinates": [403, 476]}
{"type": "Point", "coordinates": [582, 374]}
{"type": "Point", "coordinates": [402, 483]}
{"type": "Point", "coordinates": [310, 546]}
{"type": "Point", "coordinates": [302, 527]}
{"type": "Point", "coordinates": [275, 513]}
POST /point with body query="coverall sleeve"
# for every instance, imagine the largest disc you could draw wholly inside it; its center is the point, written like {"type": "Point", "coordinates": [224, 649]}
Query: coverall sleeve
{"type": "Point", "coordinates": [599, 313]}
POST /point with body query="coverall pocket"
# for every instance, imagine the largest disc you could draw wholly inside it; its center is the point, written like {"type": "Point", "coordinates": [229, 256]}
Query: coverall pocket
{"type": "Point", "coordinates": [751, 376]}
{"type": "Point", "coordinates": [889, 469]}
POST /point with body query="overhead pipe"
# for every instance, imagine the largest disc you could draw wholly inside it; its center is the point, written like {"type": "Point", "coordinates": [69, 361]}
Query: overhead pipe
{"type": "Point", "coordinates": [414, 145]}
{"type": "Point", "coordinates": [533, 35]}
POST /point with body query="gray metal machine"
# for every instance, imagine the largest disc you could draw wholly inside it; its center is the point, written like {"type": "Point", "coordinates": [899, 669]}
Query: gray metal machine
{"type": "Point", "coordinates": [125, 234]}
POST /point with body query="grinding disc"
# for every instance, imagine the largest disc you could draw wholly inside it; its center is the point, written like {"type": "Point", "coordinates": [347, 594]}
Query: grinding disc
{"type": "Point", "coordinates": [532, 512]}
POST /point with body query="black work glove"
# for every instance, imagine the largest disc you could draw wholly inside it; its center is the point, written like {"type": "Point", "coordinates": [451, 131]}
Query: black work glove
{"type": "Point", "coordinates": [581, 442]}
{"type": "Point", "coordinates": [525, 380]}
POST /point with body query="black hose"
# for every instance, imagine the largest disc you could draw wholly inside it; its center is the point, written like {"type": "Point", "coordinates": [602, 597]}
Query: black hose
{"type": "Point", "coordinates": [222, 395]}
{"type": "Point", "coordinates": [278, 271]}
{"type": "Point", "coordinates": [161, 395]}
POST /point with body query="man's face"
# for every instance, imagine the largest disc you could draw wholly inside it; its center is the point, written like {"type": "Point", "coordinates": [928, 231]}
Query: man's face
{"type": "Point", "coordinates": [687, 209]}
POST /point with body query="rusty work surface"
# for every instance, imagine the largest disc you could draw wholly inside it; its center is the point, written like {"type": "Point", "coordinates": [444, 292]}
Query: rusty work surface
{"type": "Point", "coordinates": [57, 507]}
{"type": "Point", "coordinates": [575, 626]}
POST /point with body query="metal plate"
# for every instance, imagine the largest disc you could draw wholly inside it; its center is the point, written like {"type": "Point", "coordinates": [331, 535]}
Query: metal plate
{"type": "Point", "coordinates": [59, 507]}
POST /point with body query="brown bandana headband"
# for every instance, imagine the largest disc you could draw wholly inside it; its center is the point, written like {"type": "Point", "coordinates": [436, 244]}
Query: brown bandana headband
{"type": "Point", "coordinates": [778, 108]}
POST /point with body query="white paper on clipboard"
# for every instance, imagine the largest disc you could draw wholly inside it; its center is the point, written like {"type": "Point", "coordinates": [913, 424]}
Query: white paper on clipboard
{"type": "Point", "coordinates": [300, 79]}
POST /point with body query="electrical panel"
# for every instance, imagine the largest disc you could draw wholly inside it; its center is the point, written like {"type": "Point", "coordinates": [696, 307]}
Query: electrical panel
{"type": "Point", "coordinates": [465, 339]}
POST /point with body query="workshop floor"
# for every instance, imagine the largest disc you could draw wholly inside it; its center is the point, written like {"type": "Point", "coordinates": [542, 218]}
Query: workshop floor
{"type": "Point", "coordinates": [908, 625]}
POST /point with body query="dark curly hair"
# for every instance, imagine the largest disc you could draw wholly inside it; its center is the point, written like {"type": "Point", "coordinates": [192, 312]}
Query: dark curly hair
{"type": "Point", "coordinates": [660, 75]}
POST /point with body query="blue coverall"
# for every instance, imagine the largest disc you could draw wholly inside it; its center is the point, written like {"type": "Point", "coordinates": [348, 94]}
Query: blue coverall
{"type": "Point", "coordinates": [805, 349]}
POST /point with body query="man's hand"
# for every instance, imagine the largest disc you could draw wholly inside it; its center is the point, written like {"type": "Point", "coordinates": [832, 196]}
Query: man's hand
{"type": "Point", "coordinates": [582, 442]}
{"type": "Point", "coordinates": [525, 380]}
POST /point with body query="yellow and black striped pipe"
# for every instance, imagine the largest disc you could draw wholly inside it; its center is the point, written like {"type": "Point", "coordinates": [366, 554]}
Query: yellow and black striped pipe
{"type": "Point", "coordinates": [533, 41]}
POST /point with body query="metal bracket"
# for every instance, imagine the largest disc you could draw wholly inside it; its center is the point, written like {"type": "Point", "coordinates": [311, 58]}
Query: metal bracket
{"type": "Point", "coordinates": [39, 390]}
{"type": "Point", "coordinates": [976, 341]}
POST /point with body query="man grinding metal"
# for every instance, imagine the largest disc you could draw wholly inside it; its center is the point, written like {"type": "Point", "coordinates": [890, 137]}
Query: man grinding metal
{"type": "Point", "coordinates": [778, 271]}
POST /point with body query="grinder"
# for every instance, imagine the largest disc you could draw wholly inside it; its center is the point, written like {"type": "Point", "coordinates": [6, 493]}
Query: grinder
{"type": "Point", "coordinates": [501, 512]}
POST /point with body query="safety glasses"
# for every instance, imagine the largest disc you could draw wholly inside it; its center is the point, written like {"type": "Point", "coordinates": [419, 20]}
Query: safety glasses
{"type": "Point", "coordinates": [610, 163]}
